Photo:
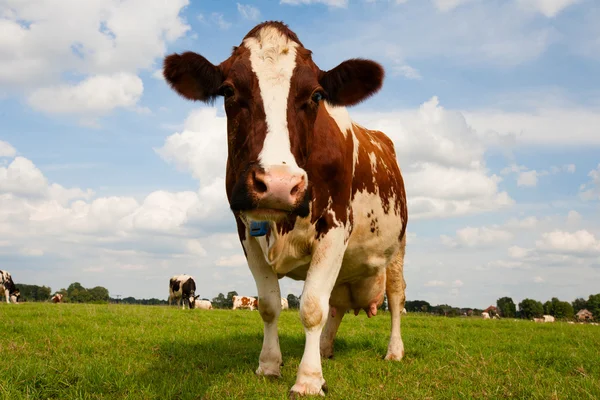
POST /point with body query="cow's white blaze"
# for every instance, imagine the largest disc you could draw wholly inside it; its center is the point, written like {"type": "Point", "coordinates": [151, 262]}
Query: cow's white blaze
{"type": "Point", "coordinates": [273, 59]}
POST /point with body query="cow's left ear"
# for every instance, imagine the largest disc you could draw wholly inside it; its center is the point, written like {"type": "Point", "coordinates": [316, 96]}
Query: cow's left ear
{"type": "Point", "coordinates": [193, 76]}
{"type": "Point", "coordinates": [352, 81]}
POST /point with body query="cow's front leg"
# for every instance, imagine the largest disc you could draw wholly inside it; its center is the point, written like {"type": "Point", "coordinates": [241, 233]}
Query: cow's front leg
{"type": "Point", "coordinates": [269, 307]}
{"type": "Point", "coordinates": [314, 308]}
{"type": "Point", "coordinates": [7, 294]}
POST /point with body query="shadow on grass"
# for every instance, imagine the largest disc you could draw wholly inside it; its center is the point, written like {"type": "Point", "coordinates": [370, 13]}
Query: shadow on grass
{"type": "Point", "coordinates": [182, 367]}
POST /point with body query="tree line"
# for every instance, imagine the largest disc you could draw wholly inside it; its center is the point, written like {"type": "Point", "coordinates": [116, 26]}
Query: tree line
{"type": "Point", "coordinates": [74, 293]}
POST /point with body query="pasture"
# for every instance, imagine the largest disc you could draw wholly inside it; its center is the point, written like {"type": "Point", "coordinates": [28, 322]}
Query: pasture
{"type": "Point", "coordinates": [73, 351]}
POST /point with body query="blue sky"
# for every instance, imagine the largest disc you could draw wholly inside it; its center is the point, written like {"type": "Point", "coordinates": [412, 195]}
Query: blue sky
{"type": "Point", "coordinates": [107, 177]}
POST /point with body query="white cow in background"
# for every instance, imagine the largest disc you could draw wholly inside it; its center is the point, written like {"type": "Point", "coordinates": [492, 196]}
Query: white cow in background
{"type": "Point", "coordinates": [203, 305]}
{"type": "Point", "coordinates": [548, 318]}
{"type": "Point", "coordinates": [284, 304]}
{"type": "Point", "coordinates": [485, 315]}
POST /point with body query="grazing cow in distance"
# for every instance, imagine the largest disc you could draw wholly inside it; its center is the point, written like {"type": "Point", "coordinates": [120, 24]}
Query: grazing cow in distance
{"type": "Point", "coordinates": [183, 287]}
{"type": "Point", "coordinates": [57, 298]}
{"type": "Point", "coordinates": [284, 304]}
{"type": "Point", "coordinates": [316, 197]}
{"type": "Point", "coordinates": [548, 318]}
{"type": "Point", "coordinates": [9, 290]}
{"type": "Point", "coordinates": [485, 315]}
{"type": "Point", "coordinates": [203, 305]}
{"type": "Point", "coordinates": [538, 320]}
{"type": "Point", "coordinates": [244, 302]}
{"type": "Point", "coordinates": [404, 311]}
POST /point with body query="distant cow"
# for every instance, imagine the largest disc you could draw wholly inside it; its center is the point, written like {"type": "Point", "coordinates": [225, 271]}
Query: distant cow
{"type": "Point", "coordinates": [284, 304]}
{"type": "Point", "coordinates": [240, 302]}
{"type": "Point", "coordinates": [57, 298]}
{"type": "Point", "coordinates": [548, 318]}
{"type": "Point", "coordinates": [8, 287]}
{"type": "Point", "coordinates": [203, 305]}
{"type": "Point", "coordinates": [485, 315]}
{"type": "Point", "coordinates": [183, 287]}
{"type": "Point", "coordinates": [404, 311]}
{"type": "Point", "coordinates": [538, 320]}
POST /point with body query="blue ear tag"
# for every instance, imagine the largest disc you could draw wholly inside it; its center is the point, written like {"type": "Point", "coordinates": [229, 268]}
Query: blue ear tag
{"type": "Point", "coordinates": [259, 228]}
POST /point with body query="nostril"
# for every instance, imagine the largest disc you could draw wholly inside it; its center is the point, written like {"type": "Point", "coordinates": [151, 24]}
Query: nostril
{"type": "Point", "coordinates": [259, 184]}
{"type": "Point", "coordinates": [298, 187]}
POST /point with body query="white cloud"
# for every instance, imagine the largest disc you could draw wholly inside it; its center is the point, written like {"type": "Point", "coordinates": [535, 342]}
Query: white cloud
{"type": "Point", "coordinates": [330, 3]}
{"type": "Point", "coordinates": [219, 19]}
{"type": "Point", "coordinates": [201, 148]}
{"type": "Point", "coordinates": [6, 150]}
{"type": "Point", "coordinates": [517, 252]}
{"type": "Point", "coordinates": [476, 237]}
{"type": "Point", "coordinates": [248, 12]}
{"type": "Point", "coordinates": [435, 283]}
{"type": "Point", "coordinates": [236, 260]}
{"type": "Point", "coordinates": [549, 8]}
{"type": "Point", "coordinates": [591, 189]}
{"type": "Point", "coordinates": [528, 178]}
{"type": "Point", "coordinates": [97, 95]}
{"type": "Point", "coordinates": [39, 48]}
{"type": "Point", "coordinates": [538, 279]}
{"type": "Point", "coordinates": [543, 126]}
{"type": "Point", "coordinates": [581, 242]}
{"type": "Point", "coordinates": [573, 217]}
{"type": "Point", "coordinates": [525, 223]}
{"type": "Point", "coordinates": [448, 5]}
{"type": "Point", "coordinates": [442, 160]}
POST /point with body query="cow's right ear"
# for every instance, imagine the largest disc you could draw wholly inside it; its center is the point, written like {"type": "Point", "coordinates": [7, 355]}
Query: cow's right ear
{"type": "Point", "coordinates": [193, 76]}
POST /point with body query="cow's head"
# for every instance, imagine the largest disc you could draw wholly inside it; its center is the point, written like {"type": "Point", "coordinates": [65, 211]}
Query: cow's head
{"type": "Point", "coordinates": [274, 100]}
{"type": "Point", "coordinates": [15, 296]}
{"type": "Point", "coordinates": [192, 300]}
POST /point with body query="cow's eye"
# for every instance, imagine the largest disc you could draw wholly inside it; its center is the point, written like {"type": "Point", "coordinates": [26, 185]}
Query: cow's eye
{"type": "Point", "coordinates": [317, 97]}
{"type": "Point", "coordinates": [227, 92]}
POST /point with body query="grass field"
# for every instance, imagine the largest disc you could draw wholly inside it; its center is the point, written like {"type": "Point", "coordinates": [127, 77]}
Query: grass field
{"type": "Point", "coordinates": [69, 351]}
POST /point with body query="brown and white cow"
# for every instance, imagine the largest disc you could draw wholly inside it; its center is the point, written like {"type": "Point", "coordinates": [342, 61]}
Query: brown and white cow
{"type": "Point", "coordinates": [57, 298]}
{"type": "Point", "coordinates": [284, 304]}
{"type": "Point", "coordinates": [244, 302]}
{"type": "Point", "coordinates": [329, 189]}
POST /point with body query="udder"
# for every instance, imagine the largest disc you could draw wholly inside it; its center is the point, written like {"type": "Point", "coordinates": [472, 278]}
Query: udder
{"type": "Point", "coordinates": [366, 293]}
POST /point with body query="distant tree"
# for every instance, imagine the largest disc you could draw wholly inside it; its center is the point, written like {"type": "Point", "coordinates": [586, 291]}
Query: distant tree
{"type": "Point", "coordinates": [559, 309]}
{"type": "Point", "coordinates": [384, 304]}
{"type": "Point", "coordinates": [593, 305]}
{"type": "Point", "coordinates": [219, 301]}
{"type": "Point", "coordinates": [530, 308]}
{"type": "Point", "coordinates": [229, 300]}
{"type": "Point", "coordinates": [579, 304]}
{"type": "Point", "coordinates": [293, 301]}
{"type": "Point", "coordinates": [506, 307]}
{"type": "Point", "coordinates": [99, 294]}
{"type": "Point", "coordinates": [33, 292]}
{"type": "Point", "coordinates": [417, 306]}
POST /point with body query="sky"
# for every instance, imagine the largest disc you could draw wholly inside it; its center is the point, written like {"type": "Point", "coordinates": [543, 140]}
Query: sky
{"type": "Point", "coordinates": [108, 177]}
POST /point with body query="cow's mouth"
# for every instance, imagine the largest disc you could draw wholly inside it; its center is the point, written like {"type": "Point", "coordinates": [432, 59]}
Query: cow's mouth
{"type": "Point", "coordinates": [267, 214]}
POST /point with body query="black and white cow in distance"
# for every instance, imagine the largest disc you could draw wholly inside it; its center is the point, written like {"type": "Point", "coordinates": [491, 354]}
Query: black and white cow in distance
{"type": "Point", "coordinates": [9, 289]}
{"type": "Point", "coordinates": [183, 287]}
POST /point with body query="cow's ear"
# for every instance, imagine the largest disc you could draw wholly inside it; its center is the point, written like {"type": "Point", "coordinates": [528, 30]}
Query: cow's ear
{"type": "Point", "coordinates": [352, 81]}
{"type": "Point", "coordinates": [193, 76]}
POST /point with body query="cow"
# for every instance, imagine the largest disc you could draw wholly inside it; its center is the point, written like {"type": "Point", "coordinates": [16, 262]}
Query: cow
{"type": "Point", "coordinates": [203, 305]}
{"type": "Point", "coordinates": [316, 197]}
{"type": "Point", "coordinates": [548, 318]}
{"type": "Point", "coordinates": [538, 320]}
{"type": "Point", "coordinates": [57, 298]}
{"type": "Point", "coordinates": [244, 302]}
{"type": "Point", "coordinates": [9, 290]}
{"type": "Point", "coordinates": [404, 311]}
{"type": "Point", "coordinates": [485, 315]}
{"type": "Point", "coordinates": [183, 287]}
{"type": "Point", "coordinates": [284, 304]}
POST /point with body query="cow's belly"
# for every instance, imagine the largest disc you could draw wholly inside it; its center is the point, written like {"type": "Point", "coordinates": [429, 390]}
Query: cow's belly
{"type": "Point", "coordinates": [374, 239]}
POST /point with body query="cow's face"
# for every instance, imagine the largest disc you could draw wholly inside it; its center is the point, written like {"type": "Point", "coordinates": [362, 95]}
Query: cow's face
{"type": "Point", "coordinates": [274, 100]}
{"type": "Point", "coordinates": [192, 300]}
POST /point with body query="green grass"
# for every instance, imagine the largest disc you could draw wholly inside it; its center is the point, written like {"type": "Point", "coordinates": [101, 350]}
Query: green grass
{"type": "Point", "coordinates": [68, 351]}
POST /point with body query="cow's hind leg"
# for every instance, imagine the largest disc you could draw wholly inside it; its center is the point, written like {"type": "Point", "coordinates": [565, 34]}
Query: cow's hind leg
{"type": "Point", "coordinates": [331, 327]}
{"type": "Point", "coordinates": [395, 289]}
{"type": "Point", "coordinates": [7, 295]}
